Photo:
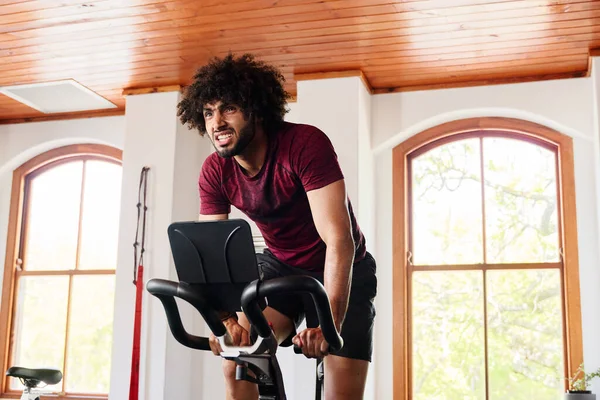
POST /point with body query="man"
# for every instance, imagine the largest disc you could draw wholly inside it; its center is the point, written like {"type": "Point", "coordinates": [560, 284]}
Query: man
{"type": "Point", "coordinates": [286, 178]}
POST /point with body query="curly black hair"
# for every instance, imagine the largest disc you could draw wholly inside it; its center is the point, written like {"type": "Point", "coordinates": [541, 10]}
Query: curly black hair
{"type": "Point", "coordinates": [256, 87]}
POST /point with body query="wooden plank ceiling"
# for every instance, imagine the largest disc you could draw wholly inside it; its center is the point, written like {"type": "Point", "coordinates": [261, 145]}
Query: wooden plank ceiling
{"type": "Point", "coordinates": [112, 45]}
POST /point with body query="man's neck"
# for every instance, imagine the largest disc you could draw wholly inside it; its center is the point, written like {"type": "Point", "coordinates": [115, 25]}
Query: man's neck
{"type": "Point", "coordinates": [253, 157]}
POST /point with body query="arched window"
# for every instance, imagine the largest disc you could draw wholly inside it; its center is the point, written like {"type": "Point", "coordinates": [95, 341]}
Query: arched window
{"type": "Point", "coordinates": [486, 285]}
{"type": "Point", "coordinates": [59, 279]}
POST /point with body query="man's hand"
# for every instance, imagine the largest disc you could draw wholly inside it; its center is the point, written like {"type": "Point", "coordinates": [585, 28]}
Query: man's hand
{"type": "Point", "coordinates": [237, 334]}
{"type": "Point", "coordinates": [312, 343]}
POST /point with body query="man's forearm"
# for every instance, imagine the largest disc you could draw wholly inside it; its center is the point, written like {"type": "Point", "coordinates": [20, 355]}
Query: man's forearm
{"type": "Point", "coordinates": [338, 276]}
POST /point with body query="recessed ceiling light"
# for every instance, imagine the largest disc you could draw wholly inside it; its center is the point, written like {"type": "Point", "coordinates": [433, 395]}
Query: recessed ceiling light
{"type": "Point", "coordinates": [57, 97]}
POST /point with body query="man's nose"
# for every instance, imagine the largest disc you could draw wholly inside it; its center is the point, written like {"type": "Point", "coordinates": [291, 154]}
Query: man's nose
{"type": "Point", "coordinates": [218, 119]}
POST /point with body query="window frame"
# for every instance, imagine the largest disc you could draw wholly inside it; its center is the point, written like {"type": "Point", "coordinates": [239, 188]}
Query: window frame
{"type": "Point", "coordinates": [15, 233]}
{"type": "Point", "coordinates": [566, 204]}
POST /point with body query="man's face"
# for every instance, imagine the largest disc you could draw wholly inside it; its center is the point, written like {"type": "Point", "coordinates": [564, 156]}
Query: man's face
{"type": "Point", "coordinates": [228, 128]}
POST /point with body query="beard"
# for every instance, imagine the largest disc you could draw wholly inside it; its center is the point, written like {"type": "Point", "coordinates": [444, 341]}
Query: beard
{"type": "Point", "coordinates": [245, 136]}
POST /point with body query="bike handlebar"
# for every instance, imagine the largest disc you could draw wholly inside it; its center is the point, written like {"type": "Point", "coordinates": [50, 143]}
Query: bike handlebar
{"type": "Point", "coordinates": [166, 291]}
{"type": "Point", "coordinates": [253, 292]}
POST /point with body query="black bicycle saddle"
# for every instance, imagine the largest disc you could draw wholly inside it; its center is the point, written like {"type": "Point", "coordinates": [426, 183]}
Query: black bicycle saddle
{"type": "Point", "coordinates": [48, 376]}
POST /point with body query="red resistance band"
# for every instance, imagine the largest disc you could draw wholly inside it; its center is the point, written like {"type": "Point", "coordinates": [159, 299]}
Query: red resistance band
{"type": "Point", "coordinates": [138, 281]}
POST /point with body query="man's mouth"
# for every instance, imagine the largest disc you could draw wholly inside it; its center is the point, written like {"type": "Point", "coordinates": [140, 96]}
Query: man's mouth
{"type": "Point", "coordinates": [223, 138]}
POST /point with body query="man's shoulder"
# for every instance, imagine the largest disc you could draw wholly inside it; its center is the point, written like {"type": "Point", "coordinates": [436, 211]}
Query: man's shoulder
{"type": "Point", "coordinates": [291, 128]}
{"type": "Point", "coordinates": [295, 134]}
{"type": "Point", "coordinates": [213, 159]}
{"type": "Point", "coordinates": [214, 165]}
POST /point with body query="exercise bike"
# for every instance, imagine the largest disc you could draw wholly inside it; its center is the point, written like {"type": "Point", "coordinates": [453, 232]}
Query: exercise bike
{"type": "Point", "coordinates": [217, 270]}
{"type": "Point", "coordinates": [32, 378]}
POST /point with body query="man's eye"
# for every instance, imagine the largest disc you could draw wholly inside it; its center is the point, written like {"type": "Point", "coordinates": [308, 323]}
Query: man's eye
{"type": "Point", "coordinates": [207, 114]}
{"type": "Point", "coordinates": [230, 109]}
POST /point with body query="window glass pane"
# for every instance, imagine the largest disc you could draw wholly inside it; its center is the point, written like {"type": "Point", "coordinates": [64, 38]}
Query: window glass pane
{"type": "Point", "coordinates": [446, 205]}
{"type": "Point", "coordinates": [447, 336]}
{"type": "Point", "coordinates": [100, 220]}
{"type": "Point", "coordinates": [53, 218]}
{"type": "Point", "coordinates": [525, 338]}
{"type": "Point", "coordinates": [520, 200]}
{"type": "Point", "coordinates": [90, 334]}
{"type": "Point", "coordinates": [40, 324]}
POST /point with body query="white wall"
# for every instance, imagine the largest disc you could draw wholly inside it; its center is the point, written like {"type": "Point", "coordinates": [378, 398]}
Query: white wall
{"type": "Point", "coordinates": [565, 105]}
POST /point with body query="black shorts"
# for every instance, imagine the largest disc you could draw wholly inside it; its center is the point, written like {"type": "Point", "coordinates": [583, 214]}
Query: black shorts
{"type": "Point", "coordinates": [357, 329]}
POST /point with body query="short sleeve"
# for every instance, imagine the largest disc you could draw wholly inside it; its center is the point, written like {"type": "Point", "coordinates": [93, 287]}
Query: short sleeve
{"type": "Point", "coordinates": [315, 160]}
{"type": "Point", "coordinates": [212, 199]}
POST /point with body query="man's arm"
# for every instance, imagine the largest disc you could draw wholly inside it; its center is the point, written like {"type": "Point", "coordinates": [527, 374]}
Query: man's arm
{"type": "Point", "coordinates": [330, 213]}
{"type": "Point", "coordinates": [212, 217]}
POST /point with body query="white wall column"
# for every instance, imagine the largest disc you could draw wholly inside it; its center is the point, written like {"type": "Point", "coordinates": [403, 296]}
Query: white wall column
{"type": "Point", "coordinates": [154, 138]}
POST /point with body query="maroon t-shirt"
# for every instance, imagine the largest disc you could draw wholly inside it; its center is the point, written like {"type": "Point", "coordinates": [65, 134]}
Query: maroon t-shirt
{"type": "Point", "coordinates": [300, 158]}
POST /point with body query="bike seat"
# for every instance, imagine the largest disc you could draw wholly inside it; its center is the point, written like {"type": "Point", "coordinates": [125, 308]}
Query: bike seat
{"type": "Point", "coordinates": [48, 376]}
